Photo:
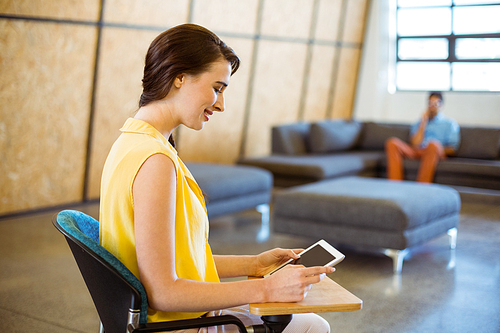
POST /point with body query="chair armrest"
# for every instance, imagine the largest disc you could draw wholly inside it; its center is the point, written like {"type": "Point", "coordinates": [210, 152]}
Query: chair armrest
{"type": "Point", "coordinates": [191, 323]}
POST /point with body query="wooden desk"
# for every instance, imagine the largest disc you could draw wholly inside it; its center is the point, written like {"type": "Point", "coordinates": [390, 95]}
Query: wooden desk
{"type": "Point", "coordinates": [325, 296]}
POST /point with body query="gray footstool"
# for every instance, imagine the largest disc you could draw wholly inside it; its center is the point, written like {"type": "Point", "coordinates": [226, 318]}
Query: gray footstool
{"type": "Point", "coordinates": [373, 212]}
{"type": "Point", "coordinates": [234, 188]}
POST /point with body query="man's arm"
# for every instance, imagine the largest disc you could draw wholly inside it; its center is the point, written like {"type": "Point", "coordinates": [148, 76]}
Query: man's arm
{"type": "Point", "coordinates": [418, 137]}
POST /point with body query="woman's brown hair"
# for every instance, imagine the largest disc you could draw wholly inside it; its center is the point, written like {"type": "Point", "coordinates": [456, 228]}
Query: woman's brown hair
{"type": "Point", "coordinates": [187, 48]}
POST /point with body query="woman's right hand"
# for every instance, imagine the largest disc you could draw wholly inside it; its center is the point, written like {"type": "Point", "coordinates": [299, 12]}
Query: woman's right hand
{"type": "Point", "coordinates": [293, 282]}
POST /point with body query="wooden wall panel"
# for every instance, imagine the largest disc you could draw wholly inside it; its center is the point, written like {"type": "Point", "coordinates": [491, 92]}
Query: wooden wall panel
{"type": "Point", "coordinates": [119, 88]}
{"type": "Point", "coordinates": [316, 104]}
{"type": "Point", "coordinates": [355, 21]}
{"type": "Point", "coordinates": [276, 92]}
{"type": "Point", "coordinates": [240, 19]}
{"type": "Point", "coordinates": [327, 24]}
{"type": "Point", "coordinates": [162, 13]}
{"type": "Point", "coordinates": [45, 89]}
{"type": "Point", "coordinates": [87, 10]}
{"type": "Point", "coordinates": [287, 18]}
{"type": "Point", "coordinates": [346, 83]}
{"type": "Point", "coordinates": [300, 61]}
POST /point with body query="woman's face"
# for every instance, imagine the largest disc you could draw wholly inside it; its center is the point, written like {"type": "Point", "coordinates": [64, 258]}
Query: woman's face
{"type": "Point", "coordinates": [201, 95]}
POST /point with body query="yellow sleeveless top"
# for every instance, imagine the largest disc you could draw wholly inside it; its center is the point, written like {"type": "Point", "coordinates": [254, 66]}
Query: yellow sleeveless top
{"type": "Point", "coordinates": [193, 256]}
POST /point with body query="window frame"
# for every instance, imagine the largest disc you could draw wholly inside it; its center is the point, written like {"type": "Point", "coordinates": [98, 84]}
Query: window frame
{"type": "Point", "coordinates": [452, 37]}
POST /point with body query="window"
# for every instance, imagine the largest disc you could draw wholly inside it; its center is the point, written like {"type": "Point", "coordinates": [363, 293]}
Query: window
{"type": "Point", "coordinates": [448, 45]}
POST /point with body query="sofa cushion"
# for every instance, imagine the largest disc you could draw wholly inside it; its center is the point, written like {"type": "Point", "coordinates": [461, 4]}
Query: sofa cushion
{"type": "Point", "coordinates": [374, 135]}
{"type": "Point", "coordinates": [457, 166]}
{"type": "Point", "coordinates": [464, 166]}
{"type": "Point", "coordinates": [290, 139]}
{"type": "Point", "coordinates": [457, 171]}
{"type": "Point", "coordinates": [329, 136]}
{"type": "Point", "coordinates": [479, 142]}
{"type": "Point", "coordinates": [318, 166]}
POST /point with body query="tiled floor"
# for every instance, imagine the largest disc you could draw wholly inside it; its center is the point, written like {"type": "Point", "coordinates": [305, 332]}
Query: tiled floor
{"type": "Point", "coordinates": [439, 290]}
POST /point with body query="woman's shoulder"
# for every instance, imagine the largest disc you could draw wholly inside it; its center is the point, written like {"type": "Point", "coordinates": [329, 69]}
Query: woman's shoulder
{"type": "Point", "coordinates": [135, 150]}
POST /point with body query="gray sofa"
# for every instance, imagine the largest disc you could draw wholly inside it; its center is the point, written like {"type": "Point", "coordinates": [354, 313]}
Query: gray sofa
{"type": "Point", "coordinates": [309, 152]}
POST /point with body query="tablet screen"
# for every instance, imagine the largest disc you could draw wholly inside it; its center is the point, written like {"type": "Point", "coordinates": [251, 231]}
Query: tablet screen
{"type": "Point", "coordinates": [316, 256]}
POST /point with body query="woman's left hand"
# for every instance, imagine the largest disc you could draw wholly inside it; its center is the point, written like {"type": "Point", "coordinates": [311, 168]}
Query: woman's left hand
{"type": "Point", "coordinates": [269, 260]}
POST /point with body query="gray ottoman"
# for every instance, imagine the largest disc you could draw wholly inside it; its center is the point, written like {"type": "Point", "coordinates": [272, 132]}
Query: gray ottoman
{"type": "Point", "coordinates": [233, 188]}
{"type": "Point", "coordinates": [373, 212]}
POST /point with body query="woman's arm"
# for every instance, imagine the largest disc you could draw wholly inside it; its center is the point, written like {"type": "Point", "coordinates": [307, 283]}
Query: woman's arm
{"type": "Point", "coordinates": [154, 191]}
{"type": "Point", "coordinates": [229, 266]}
{"type": "Point", "coordinates": [259, 265]}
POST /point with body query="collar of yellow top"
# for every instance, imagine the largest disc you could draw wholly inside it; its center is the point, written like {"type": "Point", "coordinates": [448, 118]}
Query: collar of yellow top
{"type": "Point", "coordinates": [133, 125]}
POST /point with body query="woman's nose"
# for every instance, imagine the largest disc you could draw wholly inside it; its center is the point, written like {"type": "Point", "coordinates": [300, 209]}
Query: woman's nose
{"type": "Point", "coordinates": [219, 103]}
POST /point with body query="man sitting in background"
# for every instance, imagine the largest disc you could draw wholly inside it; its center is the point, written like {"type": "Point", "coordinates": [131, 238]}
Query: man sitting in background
{"type": "Point", "coordinates": [433, 138]}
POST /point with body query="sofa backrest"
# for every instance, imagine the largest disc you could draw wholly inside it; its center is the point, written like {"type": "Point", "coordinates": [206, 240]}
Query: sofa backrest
{"type": "Point", "coordinates": [290, 139]}
{"type": "Point", "coordinates": [479, 142]}
{"type": "Point", "coordinates": [333, 135]}
{"type": "Point", "coordinates": [374, 134]}
{"type": "Point", "coordinates": [340, 135]}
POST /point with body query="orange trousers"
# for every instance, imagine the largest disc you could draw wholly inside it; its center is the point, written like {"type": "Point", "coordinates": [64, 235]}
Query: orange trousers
{"type": "Point", "coordinates": [396, 150]}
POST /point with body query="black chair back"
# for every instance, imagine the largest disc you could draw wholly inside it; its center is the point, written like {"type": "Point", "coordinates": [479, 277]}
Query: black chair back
{"type": "Point", "coordinates": [115, 298]}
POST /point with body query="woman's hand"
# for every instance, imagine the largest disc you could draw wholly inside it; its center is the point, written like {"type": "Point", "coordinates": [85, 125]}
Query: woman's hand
{"type": "Point", "coordinates": [269, 260]}
{"type": "Point", "coordinates": [293, 282]}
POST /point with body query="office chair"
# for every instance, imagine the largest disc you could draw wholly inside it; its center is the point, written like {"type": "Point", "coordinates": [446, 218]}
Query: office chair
{"type": "Point", "coordinates": [119, 297]}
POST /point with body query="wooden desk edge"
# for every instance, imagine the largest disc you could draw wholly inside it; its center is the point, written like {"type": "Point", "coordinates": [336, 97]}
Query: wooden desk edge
{"type": "Point", "coordinates": [294, 309]}
{"type": "Point", "coordinates": [352, 302]}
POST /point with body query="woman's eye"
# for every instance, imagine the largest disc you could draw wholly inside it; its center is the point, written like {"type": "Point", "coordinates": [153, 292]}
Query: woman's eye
{"type": "Point", "coordinates": [219, 90]}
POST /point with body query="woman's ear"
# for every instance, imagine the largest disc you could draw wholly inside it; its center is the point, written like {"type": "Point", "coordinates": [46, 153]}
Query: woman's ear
{"type": "Point", "coordinates": [179, 80]}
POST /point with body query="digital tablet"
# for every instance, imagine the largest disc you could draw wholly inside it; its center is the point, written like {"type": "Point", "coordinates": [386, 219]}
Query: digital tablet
{"type": "Point", "coordinates": [319, 254]}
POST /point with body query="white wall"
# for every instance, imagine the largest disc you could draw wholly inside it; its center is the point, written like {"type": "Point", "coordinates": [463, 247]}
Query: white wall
{"type": "Point", "coordinates": [373, 100]}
